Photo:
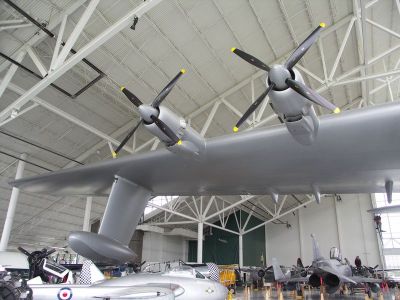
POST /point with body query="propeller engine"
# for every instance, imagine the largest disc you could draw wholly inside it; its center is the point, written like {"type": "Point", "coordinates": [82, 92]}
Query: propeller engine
{"type": "Point", "coordinates": [290, 98]}
{"type": "Point", "coordinates": [164, 124]}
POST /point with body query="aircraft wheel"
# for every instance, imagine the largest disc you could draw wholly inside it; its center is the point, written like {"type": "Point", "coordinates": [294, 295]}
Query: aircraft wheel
{"type": "Point", "coordinates": [28, 294]}
{"type": "Point", "coordinates": [8, 291]}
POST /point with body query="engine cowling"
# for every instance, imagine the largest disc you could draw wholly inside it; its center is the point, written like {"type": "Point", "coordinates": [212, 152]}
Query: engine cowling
{"type": "Point", "coordinates": [191, 143]}
{"type": "Point", "coordinates": [296, 111]}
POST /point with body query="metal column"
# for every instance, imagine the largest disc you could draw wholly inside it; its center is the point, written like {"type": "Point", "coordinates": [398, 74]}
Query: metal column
{"type": "Point", "coordinates": [5, 237]}
{"type": "Point", "coordinates": [240, 251]}
{"type": "Point", "coordinates": [88, 209]}
{"type": "Point", "coordinates": [200, 242]}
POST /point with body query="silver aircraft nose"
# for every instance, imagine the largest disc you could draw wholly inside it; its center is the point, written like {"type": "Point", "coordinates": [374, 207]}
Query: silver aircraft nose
{"type": "Point", "coordinates": [221, 292]}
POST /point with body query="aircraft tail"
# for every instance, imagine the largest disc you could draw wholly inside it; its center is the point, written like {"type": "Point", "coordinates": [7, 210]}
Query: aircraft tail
{"type": "Point", "coordinates": [90, 274]}
{"type": "Point", "coordinates": [316, 251]}
{"type": "Point", "coordinates": [278, 274]}
{"type": "Point", "coordinates": [214, 271]}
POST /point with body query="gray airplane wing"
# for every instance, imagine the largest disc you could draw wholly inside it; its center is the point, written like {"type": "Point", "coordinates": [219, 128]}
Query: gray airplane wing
{"type": "Point", "coordinates": [361, 279]}
{"type": "Point", "coordinates": [385, 210]}
{"type": "Point", "coordinates": [355, 152]}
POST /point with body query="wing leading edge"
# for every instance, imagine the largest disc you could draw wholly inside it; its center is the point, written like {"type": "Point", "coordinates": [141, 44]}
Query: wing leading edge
{"type": "Point", "coordinates": [353, 153]}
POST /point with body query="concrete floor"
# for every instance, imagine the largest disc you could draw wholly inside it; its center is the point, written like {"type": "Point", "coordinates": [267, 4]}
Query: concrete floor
{"type": "Point", "coordinates": [250, 294]}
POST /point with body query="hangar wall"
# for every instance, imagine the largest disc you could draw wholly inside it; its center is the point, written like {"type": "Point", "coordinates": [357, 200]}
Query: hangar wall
{"type": "Point", "coordinates": [344, 224]}
{"type": "Point", "coordinates": [161, 248]}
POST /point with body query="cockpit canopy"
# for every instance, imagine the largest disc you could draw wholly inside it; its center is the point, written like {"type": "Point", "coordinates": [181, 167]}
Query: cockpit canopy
{"type": "Point", "coordinates": [184, 271]}
{"type": "Point", "coordinates": [335, 254]}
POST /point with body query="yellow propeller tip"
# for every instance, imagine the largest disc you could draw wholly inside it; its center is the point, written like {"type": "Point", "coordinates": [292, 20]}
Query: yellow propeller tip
{"type": "Point", "coordinates": [183, 71]}
{"type": "Point", "coordinates": [235, 129]}
{"type": "Point", "coordinates": [122, 88]}
{"type": "Point", "coordinates": [322, 24]}
{"type": "Point", "coordinates": [114, 154]}
{"type": "Point", "coordinates": [179, 142]}
{"type": "Point", "coordinates": [337, 110]}
{"type": "Point", "coordinates": [233, 49]}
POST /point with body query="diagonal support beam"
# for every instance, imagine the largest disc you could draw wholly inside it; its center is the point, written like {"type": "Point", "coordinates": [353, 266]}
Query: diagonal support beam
{"type": "Point", "coordinates": [280, 215]}
{"type": "Point", "coordinates": [76, 32]}
{"type": "Point", "coordinates": [69, 117]}
{"type": "Point", "coordinates": [10, 73]}
{"type": "Point", "coordinates": [85, 51]}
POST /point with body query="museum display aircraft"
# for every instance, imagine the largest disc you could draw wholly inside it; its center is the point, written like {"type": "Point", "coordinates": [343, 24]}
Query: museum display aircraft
{"type": "Point", "coordinates": [183, 283]}
{"type": "Point", "coordinates": [354, 152]}
{"type": "Point", "coordinates": [332, 272]}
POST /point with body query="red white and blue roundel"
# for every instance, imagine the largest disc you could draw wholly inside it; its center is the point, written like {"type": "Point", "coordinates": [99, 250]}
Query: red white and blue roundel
{"type": "Point", "coordinates": [64, 294]}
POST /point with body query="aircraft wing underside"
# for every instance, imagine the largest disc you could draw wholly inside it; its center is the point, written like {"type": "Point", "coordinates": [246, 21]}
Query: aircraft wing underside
{"type": "Point", "coordinates": [355, 152]}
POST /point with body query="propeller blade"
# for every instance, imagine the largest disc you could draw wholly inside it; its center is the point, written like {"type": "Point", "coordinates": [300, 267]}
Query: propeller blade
{"type": "Point", "coordinates": [164, 93]}
{"type": "Point", "coordinates": [166, 130]}
{"type": "Point", "coordinates": [303, 47]}
{"type": "Point", "coordinates": [311, 95]}
{"type": "Point", "coordinates": [253, 107]}
{"type": "Point", "coordinates": [251, 59]}
{"type": "Point", "coordinates": [48, 253]}
{"type": "Point", "coordinates": [126, 139]}
{"type": "Point", "coordinates": [135, 100]}
{"type": "Point", "coordinates": [24, 251]}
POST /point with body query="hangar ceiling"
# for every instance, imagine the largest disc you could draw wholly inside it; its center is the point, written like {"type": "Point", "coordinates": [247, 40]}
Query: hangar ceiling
{"type": "Point", "coordinates": [354, 64]}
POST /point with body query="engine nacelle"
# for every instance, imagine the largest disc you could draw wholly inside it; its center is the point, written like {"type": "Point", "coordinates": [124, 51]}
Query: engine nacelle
{"type": "Point", "coordinates": [332, 283]}
{"type": "Point", "coordinates": [314, 280]}
{"type": "Point", "coordinates": [296, 111]}
{"type": "Point", "coordinates": [191, 141]}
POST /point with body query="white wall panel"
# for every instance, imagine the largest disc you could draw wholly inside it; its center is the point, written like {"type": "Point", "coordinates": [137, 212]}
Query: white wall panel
{"type": "Point", "coordinates": [161, 248]}
{"type": "Point", "coordinates": [352, 228]}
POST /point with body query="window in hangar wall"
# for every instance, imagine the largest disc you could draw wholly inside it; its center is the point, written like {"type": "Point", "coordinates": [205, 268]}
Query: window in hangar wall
{"type": "Point", "coordinates": [391, 234]}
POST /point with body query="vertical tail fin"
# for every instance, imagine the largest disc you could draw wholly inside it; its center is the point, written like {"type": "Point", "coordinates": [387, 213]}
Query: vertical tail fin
{"type": "Point", "coordinates": [278, 274]}
{"type": "Point", "coordinates": [90, 273]}
{"type": "Point", "coordinates": [214, 271]}
{"type": "Point", "coordinates": [316, 251]}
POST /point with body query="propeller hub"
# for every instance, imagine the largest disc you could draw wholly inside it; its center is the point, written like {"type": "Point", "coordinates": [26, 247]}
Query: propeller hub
{"type": "Point", "coordinates": [146, 111]}
{"type": "Point", "coordinates": [278, 75]}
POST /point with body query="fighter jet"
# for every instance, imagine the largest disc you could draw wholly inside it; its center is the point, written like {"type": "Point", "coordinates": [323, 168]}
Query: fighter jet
{"type": "Point", "coordinates": [183, 283]}
{"type": "Point", "coordinates": [332, 272]}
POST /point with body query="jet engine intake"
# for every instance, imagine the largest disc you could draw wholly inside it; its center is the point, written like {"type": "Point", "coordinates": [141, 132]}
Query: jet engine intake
{"type": "Point", "coordinates": [332, 283]}
{"type": "Point", "coordinates": [314, 280]}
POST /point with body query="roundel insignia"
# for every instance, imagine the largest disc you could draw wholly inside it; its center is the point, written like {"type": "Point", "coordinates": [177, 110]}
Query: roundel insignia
{"type": "Point", "coordinates": [64, 294]}
{"type": "Point", "coordinates": [209, 290]}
